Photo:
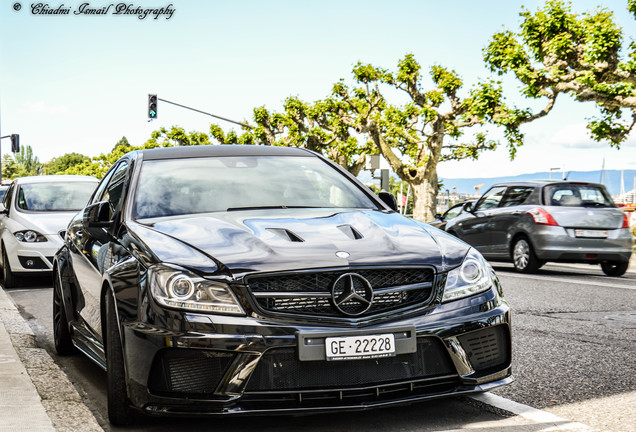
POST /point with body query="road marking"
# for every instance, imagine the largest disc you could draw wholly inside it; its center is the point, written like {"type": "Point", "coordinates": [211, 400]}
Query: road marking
{"type": "Point", "coordinates": [555, 423]}
{"type": "Point", "coordinates": [561, 280]}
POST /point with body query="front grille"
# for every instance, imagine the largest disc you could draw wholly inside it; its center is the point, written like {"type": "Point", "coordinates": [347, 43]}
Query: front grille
{"type": "Point", "coordinates": [279, 369]}
{"type": "Point", "coordinates": [310, 293]}
{"type": "Point", "coordinates": [188, 372]}
{"type": "Point", "coordinates": [487, 348]}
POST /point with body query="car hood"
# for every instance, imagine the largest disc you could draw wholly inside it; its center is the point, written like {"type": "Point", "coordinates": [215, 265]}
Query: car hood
{"type": "Point", "coordinates": [243, 242]}
{"type": "Point", "coordinates": [49, 223]}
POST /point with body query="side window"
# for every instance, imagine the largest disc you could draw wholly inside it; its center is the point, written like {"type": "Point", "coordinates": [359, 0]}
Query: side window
{"type": "Point", "coordinates": [99, 192]}
{"type": "Point", "coordinates": [453, 212]}
{"type": "Point", "coordinates": [113, 192]}
{"type": "Point", "coordinates": [515, 195]}
{"type": "Point", "coordinates": [491, 199]}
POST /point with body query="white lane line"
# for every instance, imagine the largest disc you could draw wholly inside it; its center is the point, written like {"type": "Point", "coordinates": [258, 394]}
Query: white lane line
{"type": "Point", "coordinates": [556, 423]}
{"type": "Point", "coordinates": [568, 281]}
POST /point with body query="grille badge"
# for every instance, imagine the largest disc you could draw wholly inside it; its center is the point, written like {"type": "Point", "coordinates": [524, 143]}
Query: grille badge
{"type": "Point", "coordinates": [352, 294]}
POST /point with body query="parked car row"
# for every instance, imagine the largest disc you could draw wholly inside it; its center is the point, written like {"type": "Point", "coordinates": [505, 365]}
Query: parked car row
{"type": "Point", "coordinates": [217, 280]}
{"type": "Point", "coordinates": [533, 222]}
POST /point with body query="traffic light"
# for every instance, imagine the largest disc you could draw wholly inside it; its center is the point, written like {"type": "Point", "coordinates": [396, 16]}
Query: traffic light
{"type": "Point", "coordinates": [15, 143]}
{"type": "Point", "coordinates": [152, 106]}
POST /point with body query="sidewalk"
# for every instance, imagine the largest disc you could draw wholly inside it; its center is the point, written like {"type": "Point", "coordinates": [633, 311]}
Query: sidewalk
{"type": "Point", "coordinates": [35, 395]}
{"type": "Point", "coordinates": [21, 407]}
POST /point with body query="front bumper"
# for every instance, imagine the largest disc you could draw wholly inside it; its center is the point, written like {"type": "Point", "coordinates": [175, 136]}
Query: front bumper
{"type": "Point", "coordinates": [220, 365]}
{"type": "Point", "coordinates": [555, 243]}
{"type": "Point", "coordinates": [32, 257]}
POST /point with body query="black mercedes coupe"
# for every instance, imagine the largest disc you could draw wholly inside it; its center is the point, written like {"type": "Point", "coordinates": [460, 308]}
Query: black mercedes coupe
{"type": "Point", "coordinates": [214, 280]}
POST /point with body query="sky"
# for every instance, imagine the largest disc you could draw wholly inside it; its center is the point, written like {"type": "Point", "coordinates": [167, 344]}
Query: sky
{"type": "Point", "coordinates": [79, 82]}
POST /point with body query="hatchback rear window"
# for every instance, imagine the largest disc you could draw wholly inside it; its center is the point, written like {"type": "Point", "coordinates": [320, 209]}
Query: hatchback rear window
{"type": "Point", "coordinates": [577, 195]}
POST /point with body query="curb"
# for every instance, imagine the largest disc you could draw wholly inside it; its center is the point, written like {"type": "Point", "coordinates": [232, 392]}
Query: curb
{"type": "Point", "coordinates": [53, 403]}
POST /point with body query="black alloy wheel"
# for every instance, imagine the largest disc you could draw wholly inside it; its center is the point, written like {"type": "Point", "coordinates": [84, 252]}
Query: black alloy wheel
{"type": "Point", "coordinates": [119, 411]}
{"type": "Point", "coordinates": [614, 268]}
{"type": "Point", "coordinates": [523, 256]}
{"type": "Point", "coordinates": [61, 334]}
{"type": "Point", "coordinates": [9, 278]}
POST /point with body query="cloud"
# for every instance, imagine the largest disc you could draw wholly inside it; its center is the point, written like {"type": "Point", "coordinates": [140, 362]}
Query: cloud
{"type": "Point", "coordinates": [41, 107]}
{"type": "Point", "coordinates": [575, 135]}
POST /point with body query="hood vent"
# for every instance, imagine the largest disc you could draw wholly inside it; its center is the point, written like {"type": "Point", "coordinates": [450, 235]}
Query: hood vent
{"type": "Point", "coordinates": [350, 232]}
{"type": "Point", "coordinates": [286, 234]}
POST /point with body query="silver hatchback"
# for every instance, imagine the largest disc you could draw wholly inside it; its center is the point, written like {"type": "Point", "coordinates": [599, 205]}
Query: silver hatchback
{"type": "Point", "coordinates": [532, 222]}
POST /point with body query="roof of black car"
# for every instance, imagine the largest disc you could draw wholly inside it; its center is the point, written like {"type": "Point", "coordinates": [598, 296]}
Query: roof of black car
{"type": "Point", "coordinates": [221, 150]}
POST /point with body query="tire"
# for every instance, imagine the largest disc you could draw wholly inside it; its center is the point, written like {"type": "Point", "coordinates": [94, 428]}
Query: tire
{"type": "Point", "coordinates": [614, 268]}
{"type": "Point", "coordinates": [523, 256]}
{"type": "Point", "coordinates": [61, 334]}
{"type": "Point", "coordinates": [119, 411]}
{"type": "Point", "coordinates": [10, 280]}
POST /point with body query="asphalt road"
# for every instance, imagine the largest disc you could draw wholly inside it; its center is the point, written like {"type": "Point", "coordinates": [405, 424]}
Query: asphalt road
{"type": "Point", "coordinates": [573, 355]}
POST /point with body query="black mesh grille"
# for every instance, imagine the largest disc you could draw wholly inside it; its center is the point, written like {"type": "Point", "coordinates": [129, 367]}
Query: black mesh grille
{"type": "Point", "coordinates": [277, 291]}
{"type": "Point", "coordinates": [279, 369]}
{"type": "Point", "coordinates": [486, 348]}
{"type": "Point", "coordinates": [191, 372]}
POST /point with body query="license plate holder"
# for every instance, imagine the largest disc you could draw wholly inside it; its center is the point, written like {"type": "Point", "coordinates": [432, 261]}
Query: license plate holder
{"type": "Point", "coordinates": [360, 347]}
{"type": "Point", "coordinates": [587, 233]}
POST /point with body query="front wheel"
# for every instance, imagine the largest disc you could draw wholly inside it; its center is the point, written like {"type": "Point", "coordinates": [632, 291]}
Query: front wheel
{"type": "Point", "coordinates": [524, 258]}
{"type": "Point", "coordinates": [614, 268]}
{"type": "Point", "coordinates": [9, 278]}
{"type": "Point", "coordinates": [119, 411]}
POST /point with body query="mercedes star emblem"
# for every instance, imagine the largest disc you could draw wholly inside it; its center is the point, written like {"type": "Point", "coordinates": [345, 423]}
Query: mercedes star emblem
{"type": "Point", "coordinates": [352, 294]}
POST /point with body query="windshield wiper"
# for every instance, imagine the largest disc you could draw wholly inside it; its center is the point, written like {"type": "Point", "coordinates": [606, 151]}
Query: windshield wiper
{"type": "Point", "coordinates": [269, 207]}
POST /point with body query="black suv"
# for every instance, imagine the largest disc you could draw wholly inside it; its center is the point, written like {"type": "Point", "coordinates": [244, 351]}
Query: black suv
{"type": "Point", "coordinates": [216, 280]}
{"type": "Point", "coordinates": [533, 222]}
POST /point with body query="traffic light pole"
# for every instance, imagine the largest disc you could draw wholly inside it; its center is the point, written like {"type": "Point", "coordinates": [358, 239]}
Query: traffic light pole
{"type": "Point", "coordinates": [206, 113]}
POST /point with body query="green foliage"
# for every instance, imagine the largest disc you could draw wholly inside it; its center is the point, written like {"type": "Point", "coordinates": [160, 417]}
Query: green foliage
{"type": "Point", "coordinates": [558, 51]}
{"type": "Point", "coordinates": [62, 163]}
{"type": "Point", "coordinates": [21, 164]}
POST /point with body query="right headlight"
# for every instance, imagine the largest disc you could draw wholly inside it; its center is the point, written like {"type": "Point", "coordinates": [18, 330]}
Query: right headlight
{"type": "Point", "coordinates": [472, 277]}
{"type": "Point", "coordinates": [180, 289]}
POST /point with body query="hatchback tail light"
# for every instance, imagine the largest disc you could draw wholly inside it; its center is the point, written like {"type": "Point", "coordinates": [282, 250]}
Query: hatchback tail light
{"type": "Point", "coordinates": [625, 221]}
{"type": "Point", "coordinates": [541, 217]}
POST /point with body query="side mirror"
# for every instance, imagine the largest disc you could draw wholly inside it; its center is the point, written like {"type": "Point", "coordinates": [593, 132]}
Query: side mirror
{"type": "Point", "coordinates": [438, 216]}
{"type": "Point", "coordinates": [388, 199]}
{"type": "Point", "coordinates": [468, 207]}
{"type": "Point", "coordinates": [97, 215]}
{"type": "Point", "coordinates": [3, 209]}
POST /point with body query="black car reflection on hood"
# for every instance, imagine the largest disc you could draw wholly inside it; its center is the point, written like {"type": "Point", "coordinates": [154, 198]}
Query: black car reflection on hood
{"type": "Point", "coordinates": [232, 279]}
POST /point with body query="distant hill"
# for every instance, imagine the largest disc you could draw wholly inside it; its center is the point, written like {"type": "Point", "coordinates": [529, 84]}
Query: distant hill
{"type": "Point", "coordinates": [467, 185]}
{"type": "Point", "coordinates": [612, 180]}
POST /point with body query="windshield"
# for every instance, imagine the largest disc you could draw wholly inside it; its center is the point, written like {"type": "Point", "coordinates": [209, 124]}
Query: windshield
{"type": "Point", "coordinates": [55, 196]}
{"type": "Point", "coordinates": [577, 195]}
{"type": "Point", "coordinates": [212, 184]}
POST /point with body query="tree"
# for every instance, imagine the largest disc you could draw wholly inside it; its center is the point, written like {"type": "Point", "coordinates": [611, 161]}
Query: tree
{"type": "Point", "coordinates": [427, 130]}
{"type": "Point", "coordinates": [557, 51]}
{"type": "Point", "coordinates": [21, 164]}
{"type": "Point", "coordinates": [62, 163]}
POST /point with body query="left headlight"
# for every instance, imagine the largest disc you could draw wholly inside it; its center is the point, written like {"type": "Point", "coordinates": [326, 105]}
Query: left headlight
{"type": "Point", "coordinates": [472, 277]}
{"type": "Point", "coordinates": [29, 236]}
{"type": "Point", "coordinates": [178, 288]}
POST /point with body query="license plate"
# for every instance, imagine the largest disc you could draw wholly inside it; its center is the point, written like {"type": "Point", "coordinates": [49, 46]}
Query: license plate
{"type": "Point", "coordinates": [360, 347]}
{"type": "Point", "coordinates": [591, 233]}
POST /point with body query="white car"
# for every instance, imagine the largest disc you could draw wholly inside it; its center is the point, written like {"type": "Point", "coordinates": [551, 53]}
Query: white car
{"type": "Point", "coordinates": [33, 218]}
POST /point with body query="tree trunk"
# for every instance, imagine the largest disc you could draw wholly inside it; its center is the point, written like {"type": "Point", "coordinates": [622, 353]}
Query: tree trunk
{"type": "Point", "coordinates": [425, 198]}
